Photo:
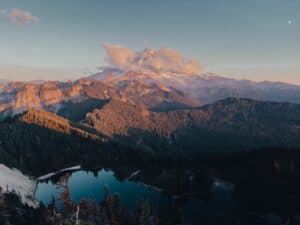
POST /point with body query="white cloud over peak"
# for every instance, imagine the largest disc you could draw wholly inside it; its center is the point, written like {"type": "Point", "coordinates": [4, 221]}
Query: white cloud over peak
{"type": "Point", "coordinates": [158, 60]}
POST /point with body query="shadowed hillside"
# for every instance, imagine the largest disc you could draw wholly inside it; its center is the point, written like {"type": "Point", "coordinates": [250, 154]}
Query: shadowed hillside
{"type": "Point", "coordinates": [226, 125]}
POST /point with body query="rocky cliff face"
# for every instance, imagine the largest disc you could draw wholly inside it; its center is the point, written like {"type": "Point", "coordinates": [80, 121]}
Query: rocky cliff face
{"type": "Point", "coordinates": [23, 96]}
{"type": "Point", "coordinates": [18, 97]}
{"type": "Point", "coordinates": [28, 97]}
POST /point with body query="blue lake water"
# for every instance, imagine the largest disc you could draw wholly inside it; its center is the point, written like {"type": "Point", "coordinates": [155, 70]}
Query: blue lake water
{"type": "Point", "coordinates": [88, 185]}
{"type": "Point", "coordinates": [85, 185]}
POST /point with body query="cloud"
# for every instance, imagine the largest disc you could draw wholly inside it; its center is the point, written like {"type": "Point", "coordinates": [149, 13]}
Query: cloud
{"type": "Point", "coordinates": [118, 56]}
{"type": "Point", "coordinates": [158, 60]}
{"type": "Point", "coordinates": [19, 17]}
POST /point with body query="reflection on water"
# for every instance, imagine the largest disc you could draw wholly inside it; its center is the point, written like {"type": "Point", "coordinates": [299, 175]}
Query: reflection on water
{"type": "Point", "coordinates": [222, 201]}
{"type": "Point", "coordinates": [93, 186]}
{"type": "Point", "coordinates": [87, 185]}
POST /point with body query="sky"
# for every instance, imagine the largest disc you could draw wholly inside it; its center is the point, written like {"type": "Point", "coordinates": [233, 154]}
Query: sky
{"type": "Point", "coordinates": [54, 39]}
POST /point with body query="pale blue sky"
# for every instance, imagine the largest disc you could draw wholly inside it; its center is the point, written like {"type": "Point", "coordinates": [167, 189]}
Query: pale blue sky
{"type": "Point", "coordinates": [238, 38]}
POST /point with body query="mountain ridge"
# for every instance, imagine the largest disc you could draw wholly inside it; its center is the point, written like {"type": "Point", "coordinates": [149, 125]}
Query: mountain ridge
{"type": "Point", "coordinates": [236, 119]}
{"type": "Point", "coordinates": [156, 91]}
{"type": "Point", "coordinates": [175, 111]}
{"type": "Point", "coordinates": [207, 88]}
{"type": "Point", "coordinates": [227, 125]}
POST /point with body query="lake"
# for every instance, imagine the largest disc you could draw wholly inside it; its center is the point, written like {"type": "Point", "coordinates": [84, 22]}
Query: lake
{"type": "Point", "coordinates": [94, 186]}
{"type": "Point", "coordinates": [220, 201]}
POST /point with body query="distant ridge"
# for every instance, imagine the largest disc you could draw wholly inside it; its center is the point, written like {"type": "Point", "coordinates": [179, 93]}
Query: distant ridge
{"type": "Point", "coordinates": [207, 88]}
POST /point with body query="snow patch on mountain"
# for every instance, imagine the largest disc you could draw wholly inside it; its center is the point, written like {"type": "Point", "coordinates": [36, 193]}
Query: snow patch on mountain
{"type": "Point", "coordinates": [52, 174]}
{"type": "Point", "coordinates": [12, 180]}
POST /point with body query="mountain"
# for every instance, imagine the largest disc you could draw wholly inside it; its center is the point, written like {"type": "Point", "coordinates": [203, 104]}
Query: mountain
{"type": "Point", "coordinates": [74, 99]}
{"type": "Point", "coordinates": [157, 91]}
{"type": "Point", "coordinates": [59, 124]}
{"type": "Point", "coordinates": [226, 125]}
{"type": "Point", "coordinates": [206, 88]}
{"type": "Point", "coordinates": [229, 124]}
{"type": "Point", "coordinates": [38, 141]}
{"type": "Point", "coordinates": [232, 124]}
{"type": "Point", "coordinates": [18, 97]}
{"type": "Point", "coordinates": [161, 110]}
